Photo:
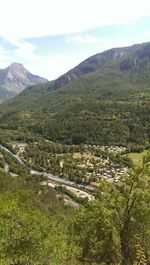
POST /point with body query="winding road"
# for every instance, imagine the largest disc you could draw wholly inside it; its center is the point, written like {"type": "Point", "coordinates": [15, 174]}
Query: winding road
{"type": "Point", "coordinates": [55, 178]}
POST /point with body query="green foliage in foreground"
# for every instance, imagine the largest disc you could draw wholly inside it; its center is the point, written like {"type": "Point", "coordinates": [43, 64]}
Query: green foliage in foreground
{"type": "Point", "coordinates": [27, 236]}
{"type": "Point", "coordinates": [114, 229]}
{"type": "Point", "coordinates": [33, 224]}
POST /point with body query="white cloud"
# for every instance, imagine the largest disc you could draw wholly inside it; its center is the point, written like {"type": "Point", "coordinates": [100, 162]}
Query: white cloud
{"type": "Point", "coordinates": [49, 66]}
{"type": "Point", "coordinates": [84, 38]}
{"type": "Point", "coordinates": [5, 57]}
{"type": "Point", "coordinates": [21, 19]}
{"type": "Point", "coordinates": [53, 66]}
{"type": "Point", "coordinates": [23, 49]}
{"type": "Point", "coordinates": [32, 18]}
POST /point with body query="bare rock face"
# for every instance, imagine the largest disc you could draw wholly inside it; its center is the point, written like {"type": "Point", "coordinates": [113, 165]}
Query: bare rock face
{"type": "Point", "coordinates": [16, 78]}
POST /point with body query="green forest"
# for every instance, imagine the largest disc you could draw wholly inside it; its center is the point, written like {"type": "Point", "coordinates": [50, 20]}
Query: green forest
{"type": "Point", "coordinates": [36, 226]}
{"type": "Point", "coordinates": [107, 105]}
{"type": "Point", "coordinates": [84, 128]}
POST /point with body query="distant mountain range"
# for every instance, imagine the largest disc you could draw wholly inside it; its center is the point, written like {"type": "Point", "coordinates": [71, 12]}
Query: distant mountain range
{"type": "Point", "coordinates": [104, 100]}
{"type": "Point", "coordinates": [15, 78]}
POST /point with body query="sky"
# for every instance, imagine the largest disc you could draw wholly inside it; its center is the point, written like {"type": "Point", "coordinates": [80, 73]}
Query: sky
{"type": "Point", "coordinates": [52, 36]}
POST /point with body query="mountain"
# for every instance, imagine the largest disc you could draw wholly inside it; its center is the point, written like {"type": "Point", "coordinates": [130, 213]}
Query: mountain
{"type": "Point", "coordinates": [108, 104]}
{"type": "Point", "coordinates": [16, 78]}
{"type": "Point", "coordinates": [135, 59]}
{"type": "Point", "coordinates": [104, 100]}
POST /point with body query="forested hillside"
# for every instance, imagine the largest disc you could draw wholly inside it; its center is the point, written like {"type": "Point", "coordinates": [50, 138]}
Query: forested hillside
{"type": "Point", "coordinates": [108, 105]}
{"type": "Point", "coordinates": [79, 127]}
{"type": "Point", "coordinates": [37, 228]}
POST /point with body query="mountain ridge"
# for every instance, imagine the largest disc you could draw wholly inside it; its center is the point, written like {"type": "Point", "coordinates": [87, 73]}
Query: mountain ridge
{"type": "Point", "coordinates": [108, 106]}
{"type": "Point", "coordinates": [99, 60]}
{"type": "Point", "coordinates": [15, 78]}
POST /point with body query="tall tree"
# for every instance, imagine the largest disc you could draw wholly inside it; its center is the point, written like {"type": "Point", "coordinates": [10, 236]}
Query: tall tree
{"type": "Point", "coordinates": [107, 229]}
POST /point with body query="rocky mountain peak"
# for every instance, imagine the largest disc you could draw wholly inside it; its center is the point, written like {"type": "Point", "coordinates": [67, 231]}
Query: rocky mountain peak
{"type": "Point", "coordinates": [16, 65]}
{"type": "Point", "coordinates": [16, 77]}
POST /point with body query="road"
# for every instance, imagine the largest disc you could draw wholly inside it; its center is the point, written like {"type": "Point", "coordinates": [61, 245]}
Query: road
{"type": "Point", "coordinates": [76, 188]}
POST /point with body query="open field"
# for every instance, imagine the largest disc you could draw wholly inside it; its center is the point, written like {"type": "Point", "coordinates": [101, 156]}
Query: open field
{"type": "Point", "coordinates": [137, 157]}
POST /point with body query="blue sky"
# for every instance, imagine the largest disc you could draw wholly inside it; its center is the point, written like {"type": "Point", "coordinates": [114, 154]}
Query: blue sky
{"type": "Point", "coordinates": [50, 37]}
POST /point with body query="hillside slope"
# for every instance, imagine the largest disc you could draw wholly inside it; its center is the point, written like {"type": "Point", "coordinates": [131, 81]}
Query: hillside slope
{"type": "Point", "coordinates": [134, 59]}
{"type": "Point", "coordinates": [108, 106]}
